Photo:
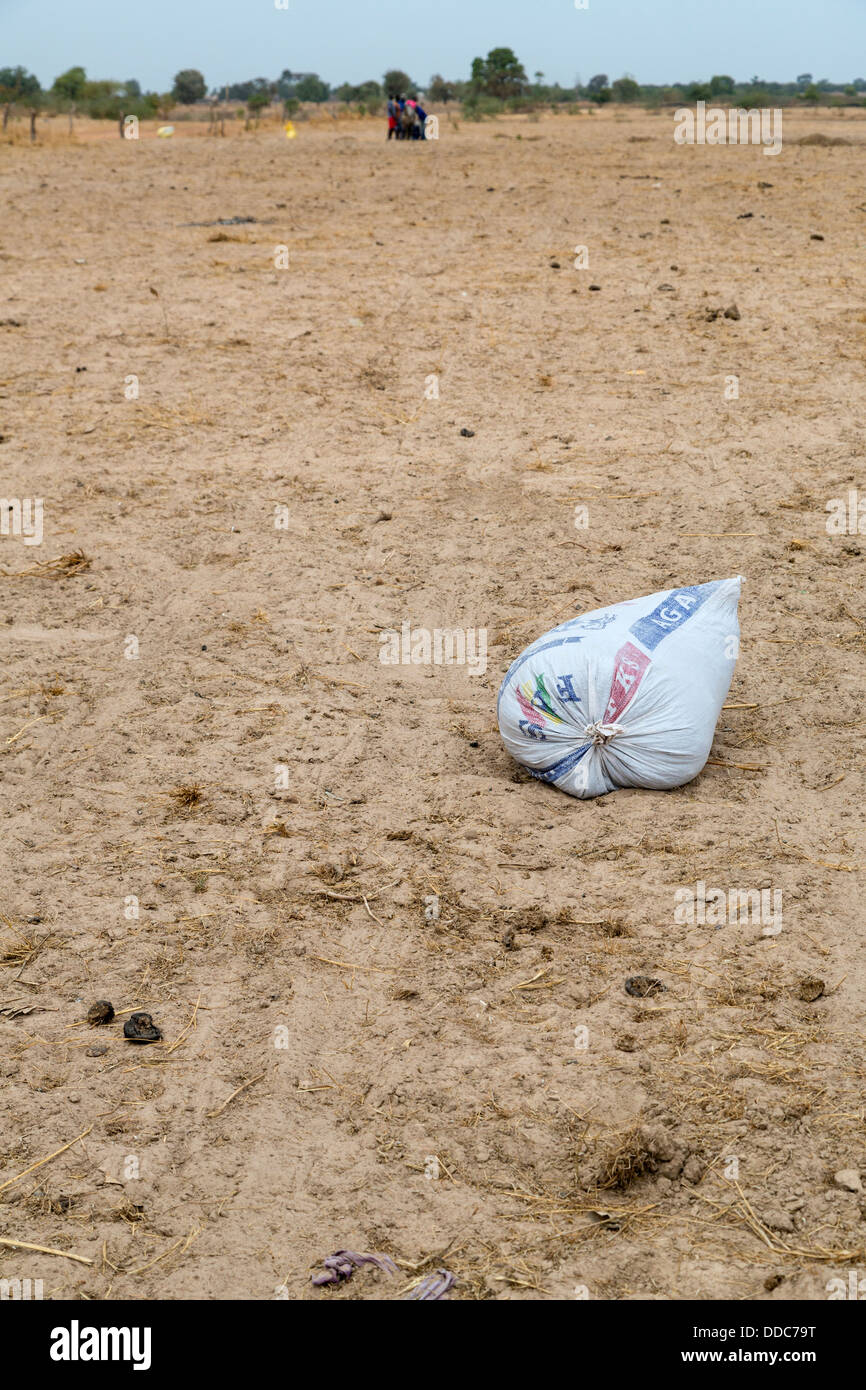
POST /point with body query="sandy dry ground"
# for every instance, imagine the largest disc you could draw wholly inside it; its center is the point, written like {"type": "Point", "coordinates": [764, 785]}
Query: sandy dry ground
{"type": "Point", "coordinates": [340, 1068]}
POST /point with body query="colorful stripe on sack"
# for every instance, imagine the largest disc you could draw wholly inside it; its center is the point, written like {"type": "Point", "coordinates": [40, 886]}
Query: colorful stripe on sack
{"type": "Point", "coordinates": [629, 668]}
{"type": "Point", "coordinates": [671, 613]}
{"type": "Point", "coordinates": [528, 656]}
{"type": "Point", "coordinates": [565, 765]}
{"type": "Point", "coordinates": [536, 704]}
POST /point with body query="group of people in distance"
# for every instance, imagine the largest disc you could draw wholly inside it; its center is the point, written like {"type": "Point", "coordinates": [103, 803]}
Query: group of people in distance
{"type": "Point", "coordinates": [406, 118]}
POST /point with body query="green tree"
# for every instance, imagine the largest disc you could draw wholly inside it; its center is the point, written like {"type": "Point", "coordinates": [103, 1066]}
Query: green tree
{"type": "Point", "coordinates": [286, 83]}
{"type": "Point", "coordinates": [18, 82]}
{"type": "Point", "coordinates": [625, 89]}
{"type": "Point", "coordinates": [256, 103]}
{"type": "Point", "coordinates": [366, 93]}
{"type": "Point", "coordinates": [18, 87]}
{"type": "Point", "coordinates": [397, 82]}
{"type": "Point", "coordinates": [478, 73]}
{"type": "Point", "coordinates": [242, 91]}
{"type": "Point", "coordinates": [104, 100]}
{"type": "Point", "coordinates": [721, 85]}
{"type": "Point", "coordinates": [311, 88]}
{"type": "Point", "coordinates": [440, 90]}
{"type": "Point", "coordinates": [501, 74]}
{"type": "Point", "coordinates": [70, 84]}
{"type": "Point", "coordinates": [189, 86]}
{"type": "Point", "coordinates": [598, 89]}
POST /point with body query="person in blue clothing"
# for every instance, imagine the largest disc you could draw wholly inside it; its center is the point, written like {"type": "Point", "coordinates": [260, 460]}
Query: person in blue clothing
{"type": "Point", "coordinates": [421, 115]}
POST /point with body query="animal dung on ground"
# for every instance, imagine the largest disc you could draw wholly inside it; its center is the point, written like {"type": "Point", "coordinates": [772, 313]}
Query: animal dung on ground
{"type": "Point", "coordinates": [624, 696]}
{"type": "Point", "coordinates": [100, 1012]}
{"type": "Point", "coordinates": [643, 986]}
{"type": "Point", "coordinates": [140, 1028]}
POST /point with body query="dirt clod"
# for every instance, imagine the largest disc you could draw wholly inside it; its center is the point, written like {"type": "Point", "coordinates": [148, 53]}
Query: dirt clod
{"type": "Point", "coordinates": [810, 988]}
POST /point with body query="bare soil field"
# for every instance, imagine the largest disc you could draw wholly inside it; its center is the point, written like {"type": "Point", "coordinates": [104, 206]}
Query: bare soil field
{"type": "Point", "coordinates": [388, 967]}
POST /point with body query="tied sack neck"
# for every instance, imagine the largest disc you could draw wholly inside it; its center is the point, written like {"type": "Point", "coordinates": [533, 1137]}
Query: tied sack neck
{"type": "Point", "coordinates": [600, 733]}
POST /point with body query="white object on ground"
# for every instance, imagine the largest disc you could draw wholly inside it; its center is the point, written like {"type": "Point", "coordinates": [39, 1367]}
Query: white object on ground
{"type": "Point", "coordinates": [624, 696]}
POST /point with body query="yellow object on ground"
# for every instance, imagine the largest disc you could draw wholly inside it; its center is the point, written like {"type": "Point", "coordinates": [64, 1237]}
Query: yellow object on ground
{"type": "Point", "coordinates": [290, 131]}
{"type": "Point", "coordinates": [165, 130]}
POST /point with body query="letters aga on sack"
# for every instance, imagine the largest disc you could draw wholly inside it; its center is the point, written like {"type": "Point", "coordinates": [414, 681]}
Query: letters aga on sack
{"type": "Point", "coordinates": [625, 696]}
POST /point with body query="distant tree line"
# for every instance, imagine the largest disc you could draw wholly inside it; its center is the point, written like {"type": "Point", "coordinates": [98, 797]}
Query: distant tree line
{"type": "Point", "coordinates": [74, 94]}
{"type": "Point", "coordinates": [499, 82]}
{"type": "Point", "coordinates": [496, 83]}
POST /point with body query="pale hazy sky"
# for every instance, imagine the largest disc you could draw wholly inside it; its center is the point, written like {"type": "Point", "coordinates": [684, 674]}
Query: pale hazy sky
{"type": "Point", "coordinates": [351, 40]}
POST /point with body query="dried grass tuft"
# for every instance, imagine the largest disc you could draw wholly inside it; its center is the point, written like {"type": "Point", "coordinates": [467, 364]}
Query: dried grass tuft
{"type": "Point", "coordinates": [186, 796]}
{"type": "Point", "coordinates": [61, 567]}
{"type": "Point", "coordinates": [626, 1161]}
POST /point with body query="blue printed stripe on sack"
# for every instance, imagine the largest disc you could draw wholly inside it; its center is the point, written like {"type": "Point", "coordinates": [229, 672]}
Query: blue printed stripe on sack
{"type": "Point", "coordinates": [671, 613]}
{"type": "Point", "coordinates": [557, 770]}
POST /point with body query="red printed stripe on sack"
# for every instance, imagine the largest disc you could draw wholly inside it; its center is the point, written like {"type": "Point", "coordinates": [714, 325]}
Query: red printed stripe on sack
{"type": "Point", "coordinates": [630, 667]}
{"type": "Point", "coordinates": [529, 711]}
